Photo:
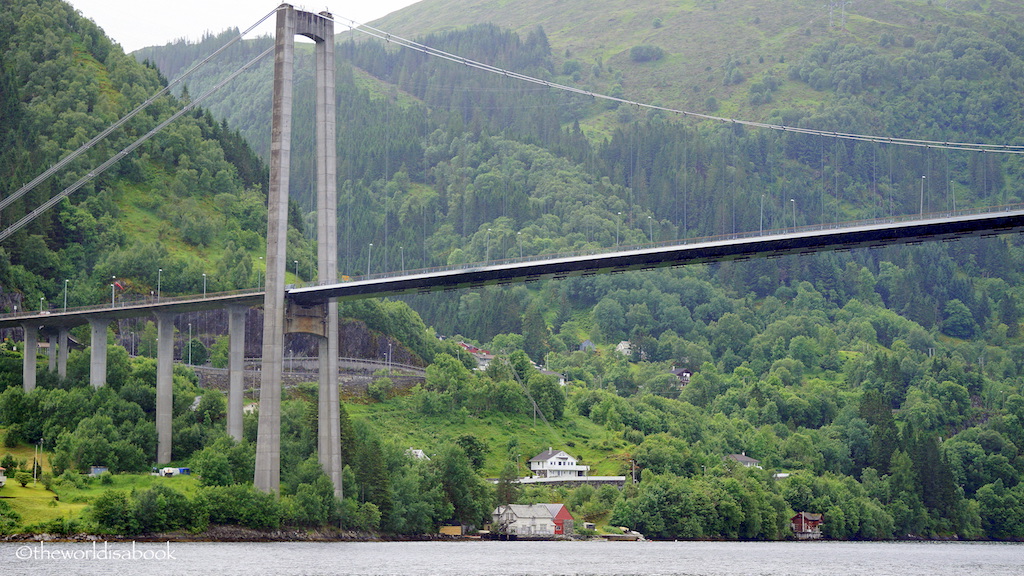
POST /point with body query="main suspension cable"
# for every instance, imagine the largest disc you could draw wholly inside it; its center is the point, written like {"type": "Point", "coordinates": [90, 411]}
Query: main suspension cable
{"type": "Point", "coordinates": [4, 203]}
{"type": "Point", "coordinates": [128, 149]}
{"type": "Point", "coordinates": [920, 143]}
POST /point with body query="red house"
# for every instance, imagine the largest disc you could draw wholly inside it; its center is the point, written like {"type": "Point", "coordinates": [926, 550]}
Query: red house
{"type": "Point", "coordinates": [561, 515]}
{"type": "Point", "coordinates": [533, 519]}
{"type": "Point", "coordinates": [806, 526]}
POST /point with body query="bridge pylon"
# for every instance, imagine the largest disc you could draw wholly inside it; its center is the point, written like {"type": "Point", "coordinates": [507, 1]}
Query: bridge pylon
{"type": "Point", "coordinates": [319, 28]}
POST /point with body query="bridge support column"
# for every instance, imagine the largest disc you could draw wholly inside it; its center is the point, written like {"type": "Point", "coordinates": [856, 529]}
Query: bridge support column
{"type": "Point", "coordinates": [327, 257]}
{"type": "Point", "coordinates": [236, 369]}
{"type": "Point", "coordinates": [164, 385]}
{"type": "Point", "coordinates": [268, 441]}
{"type": "Point", "coordinates": [319, 27]}
{"type": "Point", "coordinates": [28, 366]}
{"type": "Point", "coordinates": [51, 353]}
{"type": "Point", "coordinates": [98, 351]}
{"type": "Point", "coordinates": [62, 353]}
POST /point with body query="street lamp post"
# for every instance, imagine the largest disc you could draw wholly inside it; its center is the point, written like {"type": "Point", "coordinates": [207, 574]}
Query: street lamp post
{"type": "Point", "coordinates": [617, 223]}
{"type": "Point", "coordinates": [519, 237]}
{"type": "Point", "coordinates": [762, 215]}
{"type": "Point", "coordinates": [111, 294]}
{"type": "Point", "coordinates": [259, 277]}
{"type": "Point", "coordinates": [401, 251]}
{"type": "Point", "coordinates": [159, 273]}
{"type": "Point", "coordinates": [369, 251]}
{"type": "Point", "coordinates": [793, 202]}
{"type": "Point", "coordinates": [41, 298]}
{"type": "Point", "coordinates": [922, 195]}
{"type": "Point", "coordinates": [204, 284]}
{"type": "Point", "coordinates": [650, 224]}
{"type": "Point", "coordinates": [487, 247]}
{"type": "Point", "coordinates": [65, 295]}
{"type": "Point", "coordinates": [296, 271]}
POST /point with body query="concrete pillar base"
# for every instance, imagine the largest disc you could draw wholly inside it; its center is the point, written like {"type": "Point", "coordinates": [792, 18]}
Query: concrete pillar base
{"type": "Point", "coordinates": [28, 366]}
{"type": "Point", "coordinates": [164, 385]}
{"type": "Point", "coordinates": [62, 353]}
{"type": "Point", "coordinates": [98, 355]}
{"type": "Point", "coordinates": [236, 369]}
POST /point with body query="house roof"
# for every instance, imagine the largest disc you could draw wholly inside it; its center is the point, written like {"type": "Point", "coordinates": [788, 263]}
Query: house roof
{"type": "Point", "coordinates": [743, 459]}
{"type": "Point", "coordinates": [558, 511]}
{"type": "Point", "coordinates": [808, 516]}
{"type": "Point", "coordinates": [548, 455]}
{"type": "Point", "coordinates": [553, 511]}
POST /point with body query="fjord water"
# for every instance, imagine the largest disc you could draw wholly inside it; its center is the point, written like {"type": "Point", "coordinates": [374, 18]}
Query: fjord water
{"type": "Point", "coordinates": [520, 558]}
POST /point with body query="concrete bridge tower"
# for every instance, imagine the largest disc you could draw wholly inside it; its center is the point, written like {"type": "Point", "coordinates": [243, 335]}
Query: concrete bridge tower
{"type": "Point", "coordinates": [321, 319]}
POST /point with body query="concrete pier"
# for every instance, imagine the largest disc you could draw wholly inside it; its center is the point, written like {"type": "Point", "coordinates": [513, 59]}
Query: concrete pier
{"type": "Point", "coordinates": [28, 366]}
{"type": "Point", "coordinates": [51, 352]}
{"type": "Point", "coordinates": [236, 369]}
{"type": "Point", "coordinates": [62, 352]}
{"type": "Point", "coordinates": [98, 351]}
{"type": "Point", "coordinates": [164, 385]}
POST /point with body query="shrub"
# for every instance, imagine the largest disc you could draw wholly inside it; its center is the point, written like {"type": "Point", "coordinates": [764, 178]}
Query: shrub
{"type": "Point", "coordinates": [380, 388]}
{"type": "Point", "coordinates": [113, 512]}
{"type": "Point", "coordinates": [646, 53]}
{"type": "Point", "coordinates": [243, 505]}
{"type": "Point", "coordinates": [9, 519]}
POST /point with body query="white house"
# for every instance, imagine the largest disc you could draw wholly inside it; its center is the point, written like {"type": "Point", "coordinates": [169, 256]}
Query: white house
{"type": "Point", "coordinates": [745, 460]}
{"type": "Point", "coordinates": [556, 464]}
{"type": "Point", "coordinates": [417, 454]}
{"type": "Point", "coordinates": [534, 519]}
{"type": "Point", "coordinates": [3, 477]}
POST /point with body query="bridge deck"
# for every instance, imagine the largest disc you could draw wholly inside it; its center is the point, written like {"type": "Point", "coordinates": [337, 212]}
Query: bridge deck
{"type": "Point", "coordinates": [871, 234]}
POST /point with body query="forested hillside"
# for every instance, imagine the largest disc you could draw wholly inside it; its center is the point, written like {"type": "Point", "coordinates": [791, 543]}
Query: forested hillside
{"type": "Point", "coordinates": [881, 388]}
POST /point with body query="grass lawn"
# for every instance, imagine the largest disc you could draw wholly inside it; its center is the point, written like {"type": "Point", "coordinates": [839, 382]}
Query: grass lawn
{"type": "Point", "coordinates": [603, 450]}
{"type": "Point", "coordinates": [36, 504]}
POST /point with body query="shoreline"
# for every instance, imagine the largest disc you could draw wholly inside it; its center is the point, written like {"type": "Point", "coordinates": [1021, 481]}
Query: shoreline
{"type": "Point", "coordinates": [237, 534]}
{"type": "Point", "coordinates": [230, 534]}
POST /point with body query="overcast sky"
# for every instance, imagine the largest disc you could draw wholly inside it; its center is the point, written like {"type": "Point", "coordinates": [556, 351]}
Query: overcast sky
{"type": "Point", "coordinates": [136, 24]}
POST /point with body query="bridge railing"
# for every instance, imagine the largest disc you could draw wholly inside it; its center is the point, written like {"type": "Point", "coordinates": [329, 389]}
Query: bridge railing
{"type": "Point", "coordinates": [135, 301]}
{"type": "Point", "coordinates": [146, 301]}
{"type": "Point", "coordinates": [681, 242]}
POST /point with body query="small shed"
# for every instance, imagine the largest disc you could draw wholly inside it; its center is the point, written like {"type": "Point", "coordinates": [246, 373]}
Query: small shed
{"type": "Point", "coordinates": [456, 530]}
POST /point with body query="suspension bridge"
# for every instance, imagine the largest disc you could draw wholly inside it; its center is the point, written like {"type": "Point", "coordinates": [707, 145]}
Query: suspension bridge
{"type": "Point", "coordinates": [313, 310]}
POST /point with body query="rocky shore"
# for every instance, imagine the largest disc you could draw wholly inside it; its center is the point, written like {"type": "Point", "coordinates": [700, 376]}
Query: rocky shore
{"type": "Point", "coordinates": [235, 534]}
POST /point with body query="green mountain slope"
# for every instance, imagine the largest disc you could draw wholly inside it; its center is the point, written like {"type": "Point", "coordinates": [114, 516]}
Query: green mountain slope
{"type": "Point", "coordinates": [179, 203]}
{"type": "Point", "coordinates": [706, 42]}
